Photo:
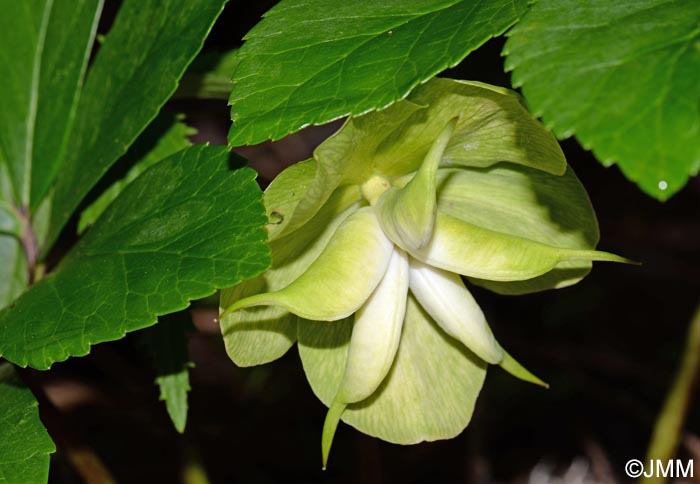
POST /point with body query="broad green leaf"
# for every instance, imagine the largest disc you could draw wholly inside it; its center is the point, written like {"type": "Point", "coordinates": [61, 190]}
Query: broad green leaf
{"type": "Point", "coordinates": [44, 48]}
{"type": "Point", "coordinates": [165, 136]}
{"type": "Point", "coordinates": [624, 77]}
{"type": "Point", "coordinates": [429, 393]}
{"type": "Point", "coordinates": [527, 203]}
{"type": "Point", "coordinates": [255, 336]}
{"type": "Point", "coordinates": [341, 278]}
{"type": "Point", "coordinates": [186, 227]}
{"type": "Point", "coordinates": [13, 262]}
{"type": "Point", "coordinates": [166, 343]}
{"type": "Point", "coordinates": [135, 71]}
{"type": "Point", "coordinates": [209, 76]}
{"type": "Point", "coordinates": [24, 443]}
{"type": "Point", "coordinates": [309, 62]}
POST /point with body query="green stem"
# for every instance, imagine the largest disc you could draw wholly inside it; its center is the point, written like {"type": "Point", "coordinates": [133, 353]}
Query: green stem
{"type": "Point", "coordinates": [669, 423]}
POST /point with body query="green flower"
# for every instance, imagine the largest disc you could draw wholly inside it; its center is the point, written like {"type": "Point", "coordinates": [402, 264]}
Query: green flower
{"type": "Point", "coordinates": [369, 239]}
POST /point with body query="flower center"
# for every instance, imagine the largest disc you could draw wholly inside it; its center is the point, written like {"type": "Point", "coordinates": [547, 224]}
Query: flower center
{"type": "Point", "coordinates": [373, 188]}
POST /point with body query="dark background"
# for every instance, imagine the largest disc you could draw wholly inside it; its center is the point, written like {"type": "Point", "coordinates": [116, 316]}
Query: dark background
{"type": "Point", "coordinates": [608, 346]}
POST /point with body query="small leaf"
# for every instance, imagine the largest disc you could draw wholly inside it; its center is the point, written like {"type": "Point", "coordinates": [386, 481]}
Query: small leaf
{"type": "Point", "coordinates": [165, 136]}
{"type": "Point", "coordinates": [306, 63]}
{"type": "Point", "coordinates": [166, 342]}
{"type": "Point", "coordinates": [24, 443]}
{"type": "Point", "coordinates": [633, 101]}
{"type": "Point", "coordinates": [134, 73]}
{"type": "Point", "coordinates": [429, 393]}
{"type": "Point", "coordinates": [45, 45]}
{"type": "Point", "coordinates": [186, 227]}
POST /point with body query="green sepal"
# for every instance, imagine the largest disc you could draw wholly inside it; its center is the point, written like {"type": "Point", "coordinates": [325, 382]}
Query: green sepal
{"type": "Point", "coordinates": [340, 280]}
{"type": "Point", "coordinates": [474, 251]}
{"type": "Point", "coordinates": [259, 335]}
{"type": "Point", "coordinates": [512, 366]}
{"type": "Point", "coordinates": [429, 393]}
{"type": "Point", "coordinates": [528, 203]}
{"type": "Point", "coordinates": [493, 126]}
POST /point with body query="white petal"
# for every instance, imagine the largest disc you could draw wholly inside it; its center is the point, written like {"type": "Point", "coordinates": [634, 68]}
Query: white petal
{"type": "Point", "coordinates": [375, 339]}
{"type": "Point", "coordinates": [376, 333]}
{"type": "Point", "coordinates": [445, 298]}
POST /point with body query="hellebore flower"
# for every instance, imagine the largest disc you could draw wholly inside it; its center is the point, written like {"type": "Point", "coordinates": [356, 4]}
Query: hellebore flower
{"type": "Point", "coordinates": [370, 239]}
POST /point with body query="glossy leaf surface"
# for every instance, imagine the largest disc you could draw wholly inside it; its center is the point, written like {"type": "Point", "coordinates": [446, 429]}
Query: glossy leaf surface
{"type": "Point", "coordinates": [149, 254]}
{"type": "Point", "coordinates": [308, 62]}
{"type": "Point", "coordinates": [135, 71]}
{"type": "Point", "coordinates": [44, 48]}
{"type": "Point", "coordinates": [24, 443]}
{"type": "Point", "coordinates": [624, 77]}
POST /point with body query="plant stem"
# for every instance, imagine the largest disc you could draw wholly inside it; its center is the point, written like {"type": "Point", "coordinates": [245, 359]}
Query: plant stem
{"type": "Point", "coordinates": [669, 424]}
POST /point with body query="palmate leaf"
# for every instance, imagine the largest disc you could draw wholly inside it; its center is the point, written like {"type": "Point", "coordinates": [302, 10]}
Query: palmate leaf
{"type": "Point", "coordinates": [134, 73]}
{"type": "Point", "coordinates": [308, 62]}
{"type": "Point", "coordinates": [24, 444]}
{"type": "Point", "coordinates": [44, 48]}
{"type": "Point", "coordinates": [186, 227]}
{"type": "Point", "coordinates": [624, 77]}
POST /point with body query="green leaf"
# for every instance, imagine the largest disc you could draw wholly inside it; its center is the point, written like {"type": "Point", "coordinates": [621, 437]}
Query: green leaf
{"type": "Point", "coordinates": [209, 76]}
{"type": "Point", "coordinates": [10, 223]}
{"type": "Point", "coordinates": [527, 203]}
{"type": "Point", "coordinates": [186, 227]}
{"type": "Point", "coordinates": [166, 342]}
{"type": "Point", "coordinates": [44, 47]}
{"type": "Point", "coordinates": [135, 71]}
{"type": "Point", "coordinates": [13, 281]}
{"type": "Point", "coordinates": [429, 393]}
{"type": "Point", "coordinates": [623, 76]}
{"type": "Point", "coordinates": [24, 443]}
{"type": "Point", "coordinates": [165, 136]}
{"type": "Point", "coordinates": [308, 62]}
